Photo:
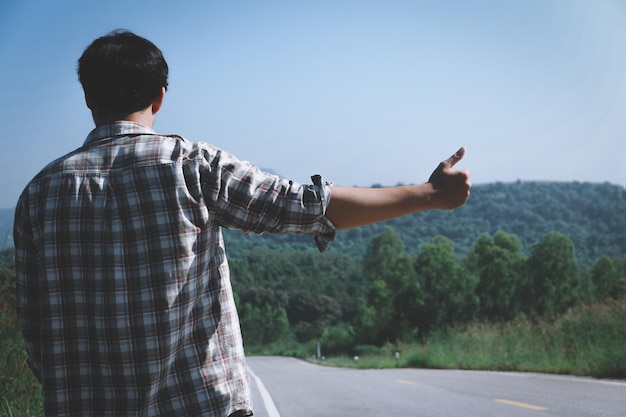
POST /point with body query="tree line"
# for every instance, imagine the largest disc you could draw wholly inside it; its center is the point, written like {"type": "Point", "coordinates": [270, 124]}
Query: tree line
{"type": "Point", "coordinates": [390, 295]}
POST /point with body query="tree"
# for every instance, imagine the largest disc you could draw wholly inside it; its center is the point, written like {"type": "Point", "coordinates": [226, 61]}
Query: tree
{"type": "Point", "coordinates": [449, 288]}
{"type": "Point", "coordinates": [392, 296]}
{"type": "Point", "coordinates": [375, 317]}
{"type": "Point", "coordinates": [553, 277]}
{"type": "Point", "coordinates": [608, 276]}
{"type": "Point", "coordinates": [262, 325]}
{"type": "Point", "coordinates": [314, 291]}
{"type": "Point", "coordinates": [500, 267]}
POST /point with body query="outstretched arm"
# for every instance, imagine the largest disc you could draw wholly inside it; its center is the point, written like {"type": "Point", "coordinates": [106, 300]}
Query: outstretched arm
{"type": "Point", "coordinates": [446, 189]}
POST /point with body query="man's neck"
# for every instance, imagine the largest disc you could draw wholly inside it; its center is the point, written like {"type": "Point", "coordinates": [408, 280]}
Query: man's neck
{"type": "Point", "coordinates": [143, 117]}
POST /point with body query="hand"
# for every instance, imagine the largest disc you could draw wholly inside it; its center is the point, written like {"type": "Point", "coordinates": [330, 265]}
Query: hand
{"type": "Point", "coordinates": [451, 187]}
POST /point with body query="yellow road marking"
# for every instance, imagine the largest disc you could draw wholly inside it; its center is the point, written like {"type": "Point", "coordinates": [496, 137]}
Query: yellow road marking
{"type": "Point", "coordinates": [404, 381]}
{"type": "Point", "coordinates": [522, 405]}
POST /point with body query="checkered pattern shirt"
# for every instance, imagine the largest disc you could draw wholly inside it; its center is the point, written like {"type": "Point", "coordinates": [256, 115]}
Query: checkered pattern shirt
{"type": "Point", "coordinates": [123, 288]}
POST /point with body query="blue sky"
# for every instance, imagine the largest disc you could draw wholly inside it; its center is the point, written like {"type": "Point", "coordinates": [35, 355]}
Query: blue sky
{"type": "Point", "coordinates": [362, 92]}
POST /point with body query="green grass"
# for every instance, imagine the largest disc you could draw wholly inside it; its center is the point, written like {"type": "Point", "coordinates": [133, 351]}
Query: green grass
{"type": "Point", "coordinates": [589, 341]}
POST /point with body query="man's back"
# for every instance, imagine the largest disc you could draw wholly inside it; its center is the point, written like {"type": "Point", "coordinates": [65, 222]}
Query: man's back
{"type": "Point", "coordinates": [133, 312]}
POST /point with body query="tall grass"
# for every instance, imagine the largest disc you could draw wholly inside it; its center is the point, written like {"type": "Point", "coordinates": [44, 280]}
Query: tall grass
{"type": "Point", "coordinates": [588, 341]}
{"type": "Point", "coordinates": [20, 393]}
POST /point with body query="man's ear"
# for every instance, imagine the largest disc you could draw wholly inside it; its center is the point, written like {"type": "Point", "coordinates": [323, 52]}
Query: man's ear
{"type": "Point", "coordinates": [156, 104]}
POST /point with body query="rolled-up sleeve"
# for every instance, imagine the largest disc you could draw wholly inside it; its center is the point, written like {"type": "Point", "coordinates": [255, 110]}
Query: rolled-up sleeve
{"type": "Point", "coordinates": [244, 197]}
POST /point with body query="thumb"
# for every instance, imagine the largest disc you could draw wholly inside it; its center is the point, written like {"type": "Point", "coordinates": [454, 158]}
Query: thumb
{"type": "Point", "coordinates": [450, 162]}
{"type": "Point", "coordinates": [446, 165]}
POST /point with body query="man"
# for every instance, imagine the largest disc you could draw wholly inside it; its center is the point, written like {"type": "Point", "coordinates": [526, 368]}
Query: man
{"type": "Point", "coordinates": [123, 289]}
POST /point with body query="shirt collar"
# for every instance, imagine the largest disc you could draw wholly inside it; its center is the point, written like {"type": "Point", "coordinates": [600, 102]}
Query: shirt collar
{"type": "Point", "coordinates": [118, 128]}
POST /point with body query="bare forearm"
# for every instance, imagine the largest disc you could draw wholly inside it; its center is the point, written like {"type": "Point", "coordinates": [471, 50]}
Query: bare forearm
{"type": "Point", "coordinates": [353, 207]}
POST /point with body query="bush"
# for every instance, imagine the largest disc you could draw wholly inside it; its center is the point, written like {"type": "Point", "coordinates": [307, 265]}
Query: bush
{"type": "Point", "coordinates": [367, 350]}
{"type": "Point", "coordinates": [338, 339]}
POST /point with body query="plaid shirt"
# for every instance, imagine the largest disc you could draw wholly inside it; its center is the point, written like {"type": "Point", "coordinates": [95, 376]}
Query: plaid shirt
{"type": "Point", "coordinates": [123, 289]}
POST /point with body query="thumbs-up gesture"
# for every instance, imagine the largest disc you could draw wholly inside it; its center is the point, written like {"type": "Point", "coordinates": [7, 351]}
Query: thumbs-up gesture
{"type": "Point", "coordinates": [452, 187]}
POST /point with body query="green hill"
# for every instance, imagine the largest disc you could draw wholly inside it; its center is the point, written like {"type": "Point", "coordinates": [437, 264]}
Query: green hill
{"type": "Point", "coordinates": [592, 215]}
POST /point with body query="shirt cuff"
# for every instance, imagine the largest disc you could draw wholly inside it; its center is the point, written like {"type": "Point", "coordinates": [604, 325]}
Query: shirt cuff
{"type": "Point", "coordinates": [327, 231]}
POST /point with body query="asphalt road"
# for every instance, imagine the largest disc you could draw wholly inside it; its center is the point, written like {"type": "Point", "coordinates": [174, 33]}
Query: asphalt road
{"type": "Point", "coordinates": [287, 387]}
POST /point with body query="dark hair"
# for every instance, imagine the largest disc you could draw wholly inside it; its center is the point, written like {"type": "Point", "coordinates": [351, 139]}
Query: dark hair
{"type": "Point", "coordinates": [122, 73]}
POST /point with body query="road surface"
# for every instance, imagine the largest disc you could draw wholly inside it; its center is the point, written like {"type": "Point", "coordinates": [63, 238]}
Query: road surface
{"type": "Point", "coordinates": [287, 387]}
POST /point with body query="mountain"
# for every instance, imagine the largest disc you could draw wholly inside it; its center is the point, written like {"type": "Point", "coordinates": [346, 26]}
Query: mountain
{"type": "Point", "coordinates": [592, 215]}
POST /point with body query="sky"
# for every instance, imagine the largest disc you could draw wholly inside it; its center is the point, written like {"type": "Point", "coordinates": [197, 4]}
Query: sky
{"type": "Point", "coordinates": [362, 92]}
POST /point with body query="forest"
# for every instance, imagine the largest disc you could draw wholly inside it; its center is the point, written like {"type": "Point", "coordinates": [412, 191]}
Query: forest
{"type": "Point", "coordinates": [390, 295]}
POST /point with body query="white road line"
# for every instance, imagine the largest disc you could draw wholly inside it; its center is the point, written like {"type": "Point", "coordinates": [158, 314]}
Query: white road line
{"type": "Point", "coordinates": [270, 407]}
